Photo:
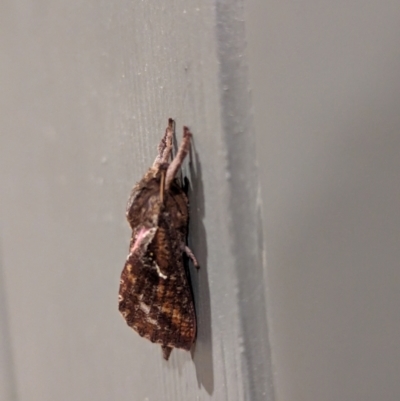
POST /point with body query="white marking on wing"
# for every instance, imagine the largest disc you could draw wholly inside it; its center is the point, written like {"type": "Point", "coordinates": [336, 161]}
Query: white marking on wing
{"type": "Point", "coordinates": [144, 307]}
{"type": "Point", "coordinates": [152, 321]}
{"type": "Point", "coordinates": [160, 272]}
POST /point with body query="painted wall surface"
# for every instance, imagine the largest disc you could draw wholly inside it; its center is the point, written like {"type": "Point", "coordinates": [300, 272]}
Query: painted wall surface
{"type": "Point", "coordinates": [326, 94]}
{"type": "Point", "coordinates": [86, 90]}
{"type": "Point", "coordinates": [306, 238]}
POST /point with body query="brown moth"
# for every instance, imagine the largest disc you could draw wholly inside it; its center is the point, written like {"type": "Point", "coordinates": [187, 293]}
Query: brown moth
{"type": "Point", "coordinates": [155, 297]}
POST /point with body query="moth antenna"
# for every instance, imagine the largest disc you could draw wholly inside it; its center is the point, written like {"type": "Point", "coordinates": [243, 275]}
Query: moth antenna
{"type": "Point", "coordinates": [162, 186]}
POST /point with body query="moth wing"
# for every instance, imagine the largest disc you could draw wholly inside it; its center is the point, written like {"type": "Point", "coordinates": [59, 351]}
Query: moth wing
{"type": "Point", "coordinates": [155, 297]}
{"type": "Point", "coordinates": [144, 199]}
{"type": "Point", "coordinates": [177, 314]}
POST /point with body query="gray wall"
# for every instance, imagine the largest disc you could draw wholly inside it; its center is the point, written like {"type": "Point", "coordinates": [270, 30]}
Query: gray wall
{"type": "Point", "coordinates": [309, 245]}
{"type": "Point", "coordinates": [326, 94]}
{"type": "Point", "coordinates": [86, 90]}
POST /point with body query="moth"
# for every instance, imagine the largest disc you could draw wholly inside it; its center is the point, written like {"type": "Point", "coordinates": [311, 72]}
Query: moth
{"type": "Point", "coordinates": [155, 296]}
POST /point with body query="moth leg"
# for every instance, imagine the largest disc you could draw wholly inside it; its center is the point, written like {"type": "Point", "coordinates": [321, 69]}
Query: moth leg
{"type": "Point", "coordinates": [166, 351]}
{"type": "Point", "coordinates": [190, 254]}
{"type": "Point", "coordinates": [165, 145]}
{"type": "Point", "coordinates": [179, 158]}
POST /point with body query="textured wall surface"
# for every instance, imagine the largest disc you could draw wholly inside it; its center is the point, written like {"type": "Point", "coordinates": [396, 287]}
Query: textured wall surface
{"type": "Point", "coordinates": [86, 90]}
{"type": "Point", "coordinates": [326, 94]}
